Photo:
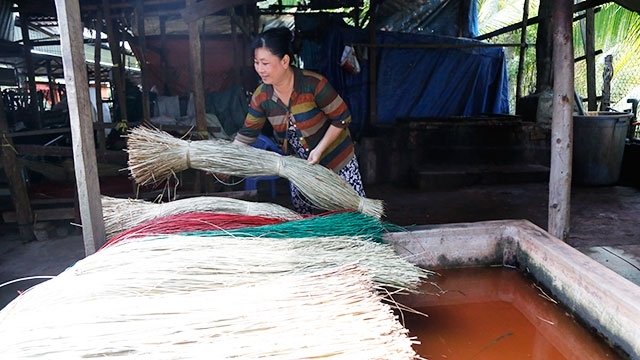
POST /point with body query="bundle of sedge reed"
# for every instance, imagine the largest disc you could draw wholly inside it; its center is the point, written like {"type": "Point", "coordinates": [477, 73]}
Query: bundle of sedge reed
{"type": "Point", "coordinates": [333, 314]}
{"type": "Point", "coordinates": [124, 214]}
{"type": "Point", "coordinates": [170, 263]}
{"type": "Point", "coordinates": [155, 156]}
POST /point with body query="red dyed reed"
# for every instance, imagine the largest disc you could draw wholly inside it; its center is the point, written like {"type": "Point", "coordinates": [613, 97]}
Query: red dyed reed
{"type": "Point", "coordinates": [193, 221]}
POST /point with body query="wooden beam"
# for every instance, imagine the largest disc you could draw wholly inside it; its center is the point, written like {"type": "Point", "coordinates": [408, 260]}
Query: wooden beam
{"type": "Point", "coordinates": [475, 44]}
{"type": "Point", "coordinates": [129, 5]}
{"type": "Point", "coordinates": [197, 10]}
{"type": "Point", "coordinates": [562, 120]}
{"type": "Point", "coordinates": [17, 186]}
{"type": "Point", "coordinates": [583, 57]}
{"type": "Point", "coordinates": [66, 213]}
{"type": "Point", "coordinates": [536, 19]}
{"type": "Point", "coordinates": [84, 153]}
{"type": "Point", "coordinates": [235, 19]}
{"type": "Point", "coordinates": [64, 151]}
{"type": "Point", "coordinates": [54, 42]}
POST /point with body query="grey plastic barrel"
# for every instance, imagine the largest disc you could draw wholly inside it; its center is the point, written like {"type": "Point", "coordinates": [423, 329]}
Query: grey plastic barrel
{"type": "Point", "coordinates": [598, 147]}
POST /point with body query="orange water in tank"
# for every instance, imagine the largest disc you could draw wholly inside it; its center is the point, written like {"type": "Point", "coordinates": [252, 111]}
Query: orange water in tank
{"type": "Point", "coordinates": [494, 314]}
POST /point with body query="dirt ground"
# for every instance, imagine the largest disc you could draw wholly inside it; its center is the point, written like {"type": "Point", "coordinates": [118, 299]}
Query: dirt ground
{"type": "Point", "coordinates": [603, 225]}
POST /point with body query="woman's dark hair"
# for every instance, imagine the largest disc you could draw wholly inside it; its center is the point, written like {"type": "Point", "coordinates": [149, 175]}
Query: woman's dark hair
{"type": "Point", "coordinates": [278, 40]}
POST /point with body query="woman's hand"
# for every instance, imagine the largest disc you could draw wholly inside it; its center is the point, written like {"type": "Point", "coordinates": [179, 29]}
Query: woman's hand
{"type": "Point", "coordinates": [314, 156]}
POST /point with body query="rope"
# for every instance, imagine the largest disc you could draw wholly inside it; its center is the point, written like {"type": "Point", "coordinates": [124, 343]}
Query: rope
{"type": "Point", "coordinates": [280, 167]}
{"type": "Point", "coordinates": [188, 158]}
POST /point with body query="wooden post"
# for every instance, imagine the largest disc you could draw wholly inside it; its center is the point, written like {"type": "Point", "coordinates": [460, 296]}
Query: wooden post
{"type": "Point", "coordinates": [562, 120]}
{"type": "Point", "coordinates": [28, 58]}
{"type": "Point", "coordinates": [234, 38]}
{"type": "Point", "coordinates": [97, 71]}
{"type": "Point", "coordinates": [544, 66]}
{"type": "Point", "coordinates": [356, 16]}
{"type": "Point", "coordinates": [373, 65]}
{"type": "Point", "coordinates": [17, 186]}
{"type": "Point", "coordinates": [163, 51]}
{"type": "Point", "coordinates": [590, 57]}
{"type": "Point", "coordinates": [195, 47]}
{"type": "Point", "coordinates": [463, 18]}
{"type": "Point", "coordinates": [243, 46]}
{"type": "Point", "coordinates": [118, 66]}
{"type": "Point", "coordinates": [84, 152]}
{"type": "Point", "coordinates": [607, 75]}
{"type": "Point", "coordinates": [523, 49]}
{"type": "Point", "coordinates": [52, 84]}
{"type": "Point", "coordinates": [146, 112]}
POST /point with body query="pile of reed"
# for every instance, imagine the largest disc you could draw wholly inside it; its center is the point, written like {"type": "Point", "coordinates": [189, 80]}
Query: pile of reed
{"type": "Point", "coordinates": [333, 314]}
{"type": "Point", "coordinates": [156, 156]}
{"type": "Point", "coordinates": [192, 222]}
{"type": "Point", "coordinates": [124, 214]}
{"type": "Point", "coordinates": [170, 263]}
{"type": "Point", "coordinates": [329, 224]}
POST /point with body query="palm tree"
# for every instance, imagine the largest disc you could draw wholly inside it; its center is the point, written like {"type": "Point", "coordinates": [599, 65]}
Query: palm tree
{"type": "Point", "coordinates": [497, 14]}
{"type": "Point", "coordinates": [616, 30]}
{"type": "Point", "coordinates": [616, 34]}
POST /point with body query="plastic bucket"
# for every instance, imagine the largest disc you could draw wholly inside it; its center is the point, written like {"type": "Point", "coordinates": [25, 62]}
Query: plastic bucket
{"type": "Point", "coordinates": [598, 147]}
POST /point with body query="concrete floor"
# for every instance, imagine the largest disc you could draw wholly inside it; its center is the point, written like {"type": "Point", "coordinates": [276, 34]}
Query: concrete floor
{"type": "Point", "coordinates": [603, 225]}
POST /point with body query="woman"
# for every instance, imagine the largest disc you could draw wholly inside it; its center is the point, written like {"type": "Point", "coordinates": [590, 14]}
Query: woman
{"type": "Point", "coordinates": [308, 117]}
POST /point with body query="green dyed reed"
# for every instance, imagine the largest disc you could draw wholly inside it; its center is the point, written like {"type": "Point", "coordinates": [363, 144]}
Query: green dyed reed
{"type": "Point", "coordinates": [334, 224]}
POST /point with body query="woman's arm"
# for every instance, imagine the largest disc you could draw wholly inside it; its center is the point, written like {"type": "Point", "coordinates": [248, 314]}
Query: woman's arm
{"type": "Point", "coordinates": [254, 120]}
{"type": "Point", "coordinates": [329, 137]}
{"type": "Point", "coordinates": [336, 111]}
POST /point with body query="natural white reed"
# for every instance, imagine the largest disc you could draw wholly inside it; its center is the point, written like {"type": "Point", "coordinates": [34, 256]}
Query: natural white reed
{"type": "Point", "coordinates": [333, 314]}
{"type": "Point", "coordinates": [155, 156]}
{"type": "Point", "coordinates": [123, 214]}
{"type": "Point", "coordinates": [174, 263]}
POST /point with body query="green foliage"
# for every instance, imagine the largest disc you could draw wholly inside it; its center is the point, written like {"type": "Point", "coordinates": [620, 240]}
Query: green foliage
{"type": "Point", "coordinates": [496, 14]}
{"type": "Point", "coordinates": [616, 33]}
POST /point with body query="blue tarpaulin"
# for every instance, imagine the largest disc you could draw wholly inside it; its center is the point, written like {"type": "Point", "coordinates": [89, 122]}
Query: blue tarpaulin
{"type": "Point", "coordinates": [439, 82]}
{"type": "Point", "coordinates": [412, 82]}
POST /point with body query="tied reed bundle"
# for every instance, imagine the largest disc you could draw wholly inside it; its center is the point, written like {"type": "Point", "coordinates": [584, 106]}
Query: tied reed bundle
{"type": "Point", "coordinates": [123, 214]}
{"type": "Point", "coordinates": [155, 155]}
{"type": "Point", "coordinates": [333, 314]}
